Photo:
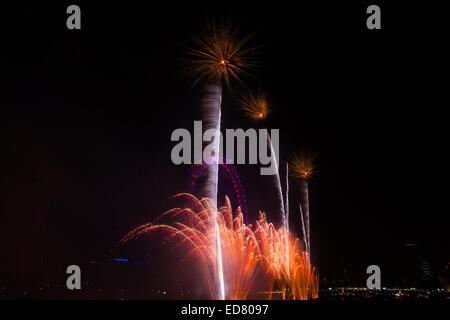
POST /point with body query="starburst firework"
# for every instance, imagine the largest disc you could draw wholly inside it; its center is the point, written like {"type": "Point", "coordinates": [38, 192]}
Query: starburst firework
{"type": "Point", "coordinates": [220, 53]}
{"type": "Point", "coordinates": [255, 106]}
{"type": "Point", "coordinates": [302, 166]}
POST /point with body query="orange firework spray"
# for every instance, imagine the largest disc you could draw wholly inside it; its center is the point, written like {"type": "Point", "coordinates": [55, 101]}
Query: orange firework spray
{"type": "Point", "coordinates": [286, 263]}
{"type": "Point", "coordinates": [256, 106]}
{"type": "Point", "coordinates": [247, 254]}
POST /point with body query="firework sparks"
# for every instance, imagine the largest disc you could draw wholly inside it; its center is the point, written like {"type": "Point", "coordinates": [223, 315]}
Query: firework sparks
{"type": "Point", "coordinates": [255, 106]}
{"type": "Point", "coordinates": [303, 166]}
{"type": "Point", "coordinates": [220, 53]}
{"type": "Point", "coordinates": [286, 211]}
{"type": "Point", "coordinates": [246, 253]}
{"type": "Point", "coordinates": [303, 169]}
{"type": "Point", "coordinates": [286, 264]}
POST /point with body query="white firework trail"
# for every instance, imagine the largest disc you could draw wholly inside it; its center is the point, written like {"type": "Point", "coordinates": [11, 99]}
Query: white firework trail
{"type": "Point", "coordinates": [210, 106]}
{"type": "Point", "coordinates": [277, 180]}
{"type": "Point", "coordinates": [211, 114]}
{"type": "Point", "coordinates": [286, 213]}
{"type": "Point", "coordinates": [305, 210]}
{"type": "Point", "coordinates": [303, 228]}
{"type": "Point", "coordinates": [283, 209]}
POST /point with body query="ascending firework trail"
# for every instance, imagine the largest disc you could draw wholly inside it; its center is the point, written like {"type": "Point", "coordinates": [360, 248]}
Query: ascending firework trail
{"type": "Point", "coordinates": [257, 107]}
{"type": "Point", "coordinates": [210, 104]}
{"type": "Point", "coordinates": [218, 55]}
{"type": "Point", "coordinates": [303, 169]}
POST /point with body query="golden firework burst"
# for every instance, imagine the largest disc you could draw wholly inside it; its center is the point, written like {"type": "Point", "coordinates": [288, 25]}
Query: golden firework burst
{"type": "Point", "coordinates": [220, 53]}
{"type": "Point", "coordinates": [302, 166]}
{"type": "Point", "coordinates": [255, 106]}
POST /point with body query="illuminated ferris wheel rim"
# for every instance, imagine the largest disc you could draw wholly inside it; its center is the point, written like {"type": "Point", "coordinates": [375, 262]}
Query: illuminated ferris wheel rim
{"type": "Point", "coordinates": [232, 173]}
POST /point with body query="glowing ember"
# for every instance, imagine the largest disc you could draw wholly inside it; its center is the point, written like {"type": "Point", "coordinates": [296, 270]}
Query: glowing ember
{"type": "Point", "coordinates": [255, 106]}
{"type": "Point", "coordinates": [220, 53]}
{"type": "Point", "coordinates": [303, 166]}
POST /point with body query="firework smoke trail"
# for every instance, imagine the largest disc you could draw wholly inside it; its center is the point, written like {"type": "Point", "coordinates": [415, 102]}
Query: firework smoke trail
{"type": "Point", "coordinates": [218, 56]}
{"type": "Point", "coordinates": [303, 169]}
{"type": "Point", "coordinates": [277, 180]}
{"type": "Point", "coordinates": [303, 229]}
{"type": "Point", "coordinates": [276, 177]}
{"type": "Point", "coordinates": [286, 212]}
{"type": "Point", "coordinates": [211, 114]}
{"type": "Point", "coordinates": [304, 200]}
{"type": "Point", "coordinates": [257, 108]}
{"type": "Point", "coordinates": [287, 197]}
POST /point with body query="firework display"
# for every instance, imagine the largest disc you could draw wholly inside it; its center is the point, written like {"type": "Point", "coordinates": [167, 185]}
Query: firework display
{"type": "Point", "coordinates": [255, 106]}
{"type": "Point", "coordinates": [271, 255]}
{"type": "Point", "coordinates": [303, 169]}
{"type": "Point", "coordinates": [238, 192]}
{"type": "Point", "coordinates": [187, 154]}
{"type": "Point", "coordinates": [233, 255]}
{"type": "Point", "coordinates": [219, 54]}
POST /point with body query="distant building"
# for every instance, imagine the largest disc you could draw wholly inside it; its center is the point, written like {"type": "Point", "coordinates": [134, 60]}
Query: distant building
{"type": "Point", "coordinates": [418, 270]}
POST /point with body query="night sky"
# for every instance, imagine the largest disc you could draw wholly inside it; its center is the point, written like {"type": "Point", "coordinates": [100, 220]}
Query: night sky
{"type": "Point", "coordinates": [86, 118]}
